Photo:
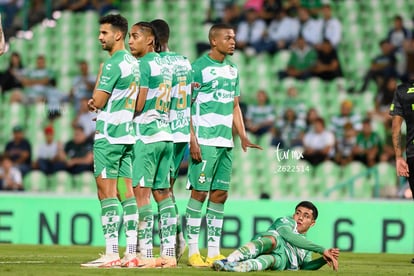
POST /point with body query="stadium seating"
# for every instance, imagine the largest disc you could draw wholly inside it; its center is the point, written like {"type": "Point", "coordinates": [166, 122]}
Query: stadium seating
{"type": "Point", "coordinates": [75, 38]}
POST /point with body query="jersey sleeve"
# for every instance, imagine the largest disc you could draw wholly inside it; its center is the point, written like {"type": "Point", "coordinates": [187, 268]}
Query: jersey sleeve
{"type": "Point", "coordinates": [197, 81]}
{"type": "Point", "coordinates": [314, 264]}
{"type": "Point", "coordinates": [298, 240]}
{"type": "Point", "coordinates": [237, 87]}
{"type": "Point", "coordinates": [396, 107]}
{"type": "Point", "coordinates": [109, 77]}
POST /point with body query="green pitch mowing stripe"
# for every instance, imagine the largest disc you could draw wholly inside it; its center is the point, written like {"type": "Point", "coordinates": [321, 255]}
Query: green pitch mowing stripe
{"type": "Point", "coordinates": [65, 260]}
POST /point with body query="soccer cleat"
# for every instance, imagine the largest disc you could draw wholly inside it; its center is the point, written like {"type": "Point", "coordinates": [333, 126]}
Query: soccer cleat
{"type": "Point", "coordinates": [180, 246]}
{"type": "Point", "coordinates": [219, 264]}
{"type": "Point", "coordinates": [147, 262]}
{"type": "Point", "coordinates": [196, 260]}
{"type": "Point", "coordinates": [210, 261]}
{"type": "Point", "coordinates": [242, 267]}
{"type": "Point", "coordinates": [166, 262]}
{"type": "Point", "coordinates": [129, 260]}
{"type": "Point", "coordinates": [107, 260]}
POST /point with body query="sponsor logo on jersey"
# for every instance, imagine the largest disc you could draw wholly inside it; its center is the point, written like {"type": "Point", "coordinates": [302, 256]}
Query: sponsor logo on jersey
{"type": "Point", "coordinates": [223, 95]}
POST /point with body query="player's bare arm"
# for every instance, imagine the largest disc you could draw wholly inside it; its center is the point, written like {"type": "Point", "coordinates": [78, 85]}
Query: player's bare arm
{"type": "Point", "coordinates": [401, 164]}
{"type": "Point", "coordinates": [142, 97]}
{"type": "Point", "coordinates": [195, 151]}
{"type": "Point", "coordinates": [239, 125]}
{"type": "Point", "coordinates": [2, 40]}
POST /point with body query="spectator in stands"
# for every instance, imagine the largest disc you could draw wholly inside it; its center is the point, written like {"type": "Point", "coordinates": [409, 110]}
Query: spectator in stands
{"type": "Point", "coordinates": [384, 99]}
{"type": "Point", "coordinates": [36, 13]}
{"type": "Point", "coordinates": [250, 31]}
{"type": "Point", "coordinates": [368, 145]}
{"type": "Point", "coordinates": [309, 28]}
{"type": "Point", "coordinates": [82, 85]}
{"type": "Point", "coordinates": [215, 11]}
{"type": "Point", "coordinates": [54, 98]}
{"type": "Point", "coordinates": [10, 80]}
{"type": "Point", "coordinates": [19, 150]}
{"type": "Point", "coordinates": [10, 176]}
{"type": "Point", "coordinates": [388, 153]}
{"type": "Point", "coordinates": [35, 81]}
{"type": "Point", "coordinates": [345, 145]}
{"type": "Point", "coordinates": [313, 6]}
{"type": "Point", "coordinates": [311, 115]}
{"type": "Point", "coordinates": [260, 116]}
{"type": "Point", "coordinates": [346, 115]}
{"type": "Point", "coordinates": [327, 66]}
{"type": "Point", "coordinates": [294, 102]}
{"type": "Point", "coordinates": [280, 34]}
{"type": "Point", "coordinates": [51, 157]}
{"type": "Point", "coordinates": [78, 152]}
{"type": "Point", "coordinates": [9, 9]}
{"type": "Point", "coordinates": [382, 66]}
{"type": "Point", "coordinates": [270, 8]}
{"type": "Point", "coordinates": [398, 34]}
{"type": "Point", "coordinates": [289, 130]}
{"type": "Point", "coordinates": [318, 143]}
{"type": "Point", "coordinates": [85, 119]}
{"type": "Point", "coordinates": [302, 60]}
{"type": "Point", "coordinates": [104, 7]}
{"type": "Point", "coordinates": [73, 5]}
{"type": "Point", "coordinates": [331, 28]}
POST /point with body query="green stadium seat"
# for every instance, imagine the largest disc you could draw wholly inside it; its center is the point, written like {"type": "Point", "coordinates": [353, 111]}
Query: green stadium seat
{"type": "Point", "coordinates": [388, 182]}
{"type": "Point", "coordinates": [61, 182]}
{"type": "Point", "coordinates": [35, 181]}
{"type": "Point", "coordinates": [84, 183]}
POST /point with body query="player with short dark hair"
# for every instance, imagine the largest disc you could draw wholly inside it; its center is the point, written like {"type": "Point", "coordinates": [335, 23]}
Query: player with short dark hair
{"type": "Point", "coordinates": [401, 110]}
{"type": "Point", "coordinates": [153, 147]}
{"type": "Point", "coordinates": [282, 247]}
{"type": "Point", "coordinates": [179, 113]}
{"type": "Point", "coordinates": [215, 111]}
{"type": "Point", "coordinates": [114, 100]}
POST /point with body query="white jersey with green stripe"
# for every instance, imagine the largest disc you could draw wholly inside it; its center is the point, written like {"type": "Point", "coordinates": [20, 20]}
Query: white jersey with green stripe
{"type": "Point", "coordinates": [297, 256]}
{"type": "Point", "coordinates": [119, 78]}
{"type": "Point", "coordinates": [180, 96]}
{"type": "Point", "coordinates": [153, 124]}
{"type": "Point", "coordinates": [215, 86]}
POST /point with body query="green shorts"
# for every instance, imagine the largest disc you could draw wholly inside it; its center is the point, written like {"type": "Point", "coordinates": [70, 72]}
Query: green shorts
{"type": "Point", "coordinates": [112, 160]}
{"type": "Point", "coordinates": [178, 155]}
{"type": "Point", "coordinates": [279, 253]}
{"type": "Point", "coordinates": [213, 172]}
{"type": "Point", "coordinates": [151, 166]}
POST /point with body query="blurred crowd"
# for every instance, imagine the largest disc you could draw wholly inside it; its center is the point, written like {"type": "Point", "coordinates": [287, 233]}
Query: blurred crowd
{"type": "Point", "coordinates": [308, 29]}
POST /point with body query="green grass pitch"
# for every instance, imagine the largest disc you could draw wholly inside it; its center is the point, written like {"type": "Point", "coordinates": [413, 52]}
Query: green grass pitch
{"type": "Point", "coordinates": [24, 260]}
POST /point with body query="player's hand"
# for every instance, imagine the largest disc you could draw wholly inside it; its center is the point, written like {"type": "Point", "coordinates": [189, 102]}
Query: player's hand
{"type": "Point", "coordinates": [330, 260]}
{"type": "Point", "coordinates": [195, 151]}
{"type": "Point", "coordinates": [245, 143]}
{"type": "Point", "coordinates": [402, 167]}
{"type": "Point", "coordinates": [91, 106]}
{"type": "Point", "coordinates": [334, 252]}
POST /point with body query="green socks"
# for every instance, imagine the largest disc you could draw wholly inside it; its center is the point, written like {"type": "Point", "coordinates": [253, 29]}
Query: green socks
{"type": "Point", "coordinates": [110, 219]}
{"type": "Point", "coordinates": [168, 227]}
{"type": "Point", "coordinates": [145, 228]}
{"type": "Point", "coordinates": [130, 217]}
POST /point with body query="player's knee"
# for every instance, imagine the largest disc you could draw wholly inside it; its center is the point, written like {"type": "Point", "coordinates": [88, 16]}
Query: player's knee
{"type": "Point", "coordinates": [218, 196]}
{"type": "Point", "coordinates": [199, 195]}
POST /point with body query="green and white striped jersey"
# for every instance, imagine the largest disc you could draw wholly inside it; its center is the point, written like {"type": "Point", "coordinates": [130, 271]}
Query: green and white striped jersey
{"type": "Point", "coordinates": [180, 96]}
{"type": "Point", "coordinates": [120, 77]}
{"type": "Point", "coordinates": [153, 124]}
{"type": "Point", "coordinates": [297, 247]}
{"type": "Point", "coordinates": [215, 86]}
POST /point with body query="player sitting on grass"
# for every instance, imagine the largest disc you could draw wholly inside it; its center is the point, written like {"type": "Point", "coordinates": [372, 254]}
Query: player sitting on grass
{"type": "Point", "coordinates": [282, 247]}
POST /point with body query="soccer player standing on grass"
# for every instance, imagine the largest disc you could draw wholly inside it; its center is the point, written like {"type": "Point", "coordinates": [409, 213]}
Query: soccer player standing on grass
{"type": "Point", "coordinates": [282, 247]}
{"type": "Point", "coordinates": [179, 113]}
{"type": "Point", "coordinates": [153, 148]}
{"type": "Point", "coordinates": [215, 111]}
{"type": "Point", "coordinates": [114, 100]}
{"type": "Point", "coordinates": [402, 109]}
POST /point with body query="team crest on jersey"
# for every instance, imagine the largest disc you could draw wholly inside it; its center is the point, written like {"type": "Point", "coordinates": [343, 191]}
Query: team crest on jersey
{"type": "Point", "coordinates": [196, 85]}
{"type": "Point", "coordinates": [202, 178]}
